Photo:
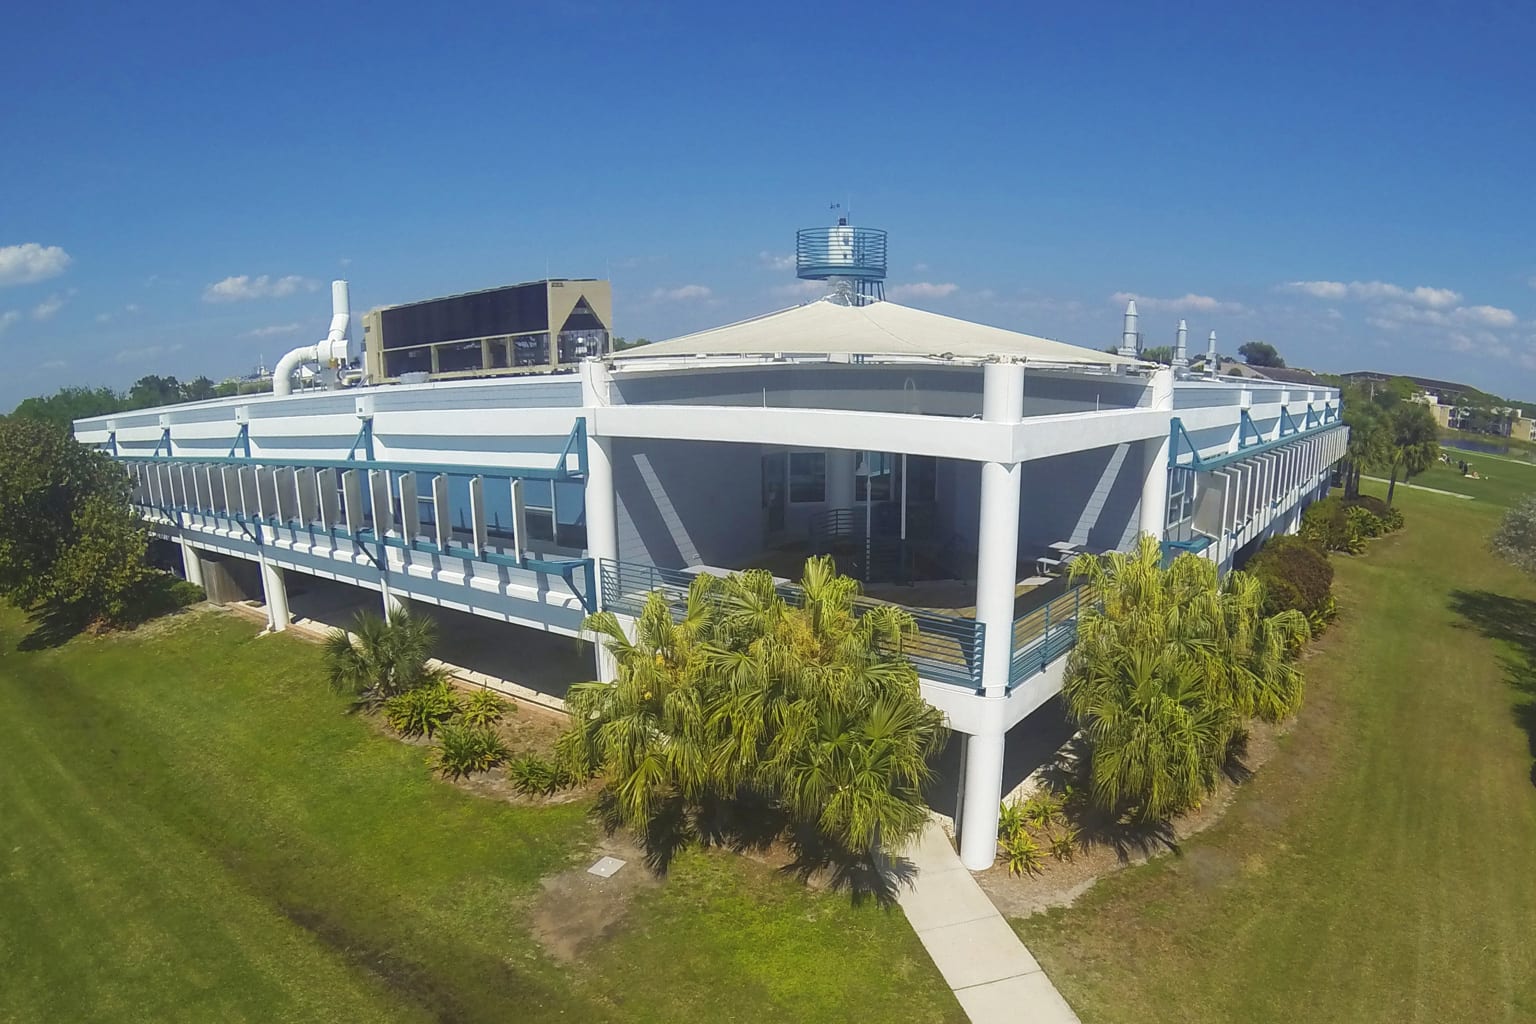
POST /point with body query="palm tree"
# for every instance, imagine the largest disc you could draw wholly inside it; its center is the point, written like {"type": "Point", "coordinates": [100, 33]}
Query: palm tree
{"type": "Point", "coordinates": [743, 694]}
{"type": "Point", "coordinates": [1369, 441]}
{"type": "Point", "coordinates": [1414, 443]}
{"type": "Point", "coordinates": [1168, 664]}
{"type": "Point", "coordinates": [381, 659]}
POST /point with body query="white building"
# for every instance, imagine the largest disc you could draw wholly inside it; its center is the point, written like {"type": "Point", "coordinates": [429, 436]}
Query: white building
{"type": "Point", "coordinates": [952, 465]}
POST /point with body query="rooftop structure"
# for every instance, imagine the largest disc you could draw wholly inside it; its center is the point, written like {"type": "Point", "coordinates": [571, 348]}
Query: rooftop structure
{"type": "Point", "coordinates": [955, 468]}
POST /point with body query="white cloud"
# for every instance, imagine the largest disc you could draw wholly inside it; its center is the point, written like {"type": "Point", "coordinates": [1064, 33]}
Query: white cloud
{"type": "Point", "coordinates": [274, 331]}
{"type": "Point", "coordinates": [924, 290]}
{"type": "Point", "coordinates": [139, 355]}
{"type": "Point", "coordinates": [1486, 316]}
{"type": "Point", "coordinates": [54, 364]}
{"type": "Point", "coordinates": [28, 262]}
{"type": "Point", "coordinates": [775, 260]}
{"type": "Point", "coordinates": [44, 310]}
{"type": "Point", "coordinates": [1186, 303]}
{"type": "Point", "coordinates": [243, 286]}
{"type": "Point", "coordinates": [1376, 291]}
{"type": "Point", "coordinates": [8, 318]}
{"type": "Point", "coordinates": [682, 293]}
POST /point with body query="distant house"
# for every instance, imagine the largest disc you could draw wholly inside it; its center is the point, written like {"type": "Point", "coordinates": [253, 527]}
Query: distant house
{"type": "Point", "coordinates": [1278, 374]}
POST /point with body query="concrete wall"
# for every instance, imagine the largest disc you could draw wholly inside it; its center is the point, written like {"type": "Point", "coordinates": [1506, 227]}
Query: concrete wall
{"type": "Point", "coordinates": [684, 503]}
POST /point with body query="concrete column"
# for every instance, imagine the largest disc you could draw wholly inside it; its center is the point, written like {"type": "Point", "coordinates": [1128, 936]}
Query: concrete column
{"type": "Point", "coordinates": [996, 577]}
{"type": "Point", "coordinates": [274, 590]}
{"type": "Point", "coordinates": [983, 794]}
{"type": "Point", "coordinates": [394, 603]}
{"type": "Point", "coordinates": [192, 563]}
{"type": "Point", "coordinates": [841, 469]}
{"type": "Point", "coordinates": [1154, 486]}
{"type": "Point", "coordinates": [601, 505]}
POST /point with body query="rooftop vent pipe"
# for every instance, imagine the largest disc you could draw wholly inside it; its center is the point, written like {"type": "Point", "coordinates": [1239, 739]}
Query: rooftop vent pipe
{"type": "Point", "coordinates": [1210, 356]}
{"type": "Point", "coordinates": [1181, 347]}
{"type": "Point", "coordinates": [332, 352]}
{"type": "Point", "coordinates": [1129, 339]}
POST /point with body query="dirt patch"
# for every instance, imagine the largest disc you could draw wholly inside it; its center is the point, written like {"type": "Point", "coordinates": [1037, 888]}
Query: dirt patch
{"type": "Point", "coordinates": [1060, 883]}
{"type": "Point", "coordinates": [577, 908]}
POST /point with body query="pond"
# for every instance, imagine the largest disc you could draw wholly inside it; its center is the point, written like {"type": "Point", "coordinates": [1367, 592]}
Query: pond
{"type": "Point", "coordinates": [1490, 447]}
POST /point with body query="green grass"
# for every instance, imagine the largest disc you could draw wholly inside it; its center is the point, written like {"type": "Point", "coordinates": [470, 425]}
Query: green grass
{"type": "Point", "coordinates": [1382, 866]}
{"type": "Point", "coordinates": [1500, 482]}
{"type": "Point", "coordinates": [193, 829]}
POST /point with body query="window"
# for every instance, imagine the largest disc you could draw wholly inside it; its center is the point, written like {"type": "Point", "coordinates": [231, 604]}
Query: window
{"type": "Point", "coordinates": [807, 477]}
{"type": "Point", "coordinates": [881, 473]}
{"type": "Point", "coordinates": [922, 478]}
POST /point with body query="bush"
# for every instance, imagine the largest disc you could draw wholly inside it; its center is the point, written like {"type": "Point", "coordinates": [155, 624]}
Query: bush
{"type": "Point", "coordinates": [1393, 520]}
{"type": "Point", "coordinates": [483, 708]}
{"type": "Point", "coordinates": [421, 711]}
{"type": "Point", "coordinates": [537, 776]}
{"type": "Point", "coordinates": [1364, 523]}
{"type": "Point", "coordinates": [1022, 853]}
{"type": "Point", "coordinates": [1370, 503]}
{"type": "Point", "coordinates": [466, 749]}
{"type": "Point", "coordinates": [1296, 574]}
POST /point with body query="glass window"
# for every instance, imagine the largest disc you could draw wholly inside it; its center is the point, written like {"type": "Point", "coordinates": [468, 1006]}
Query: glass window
{"type": "Point", "coordinates": [466, 355]}
{"type": "Point", "coordinates": [531, 350]}
{"type": "Point", "coordinates": [881, 473]}
{"type": "Point", "coordinates": [807, 477]}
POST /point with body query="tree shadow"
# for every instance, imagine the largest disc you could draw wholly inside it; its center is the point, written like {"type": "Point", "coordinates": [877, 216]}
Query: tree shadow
{"type": "Point", "coordinates": [749, 822]}
{"type": "Point", "coordinates": [1129, 838]}
{"type": "Point", "coordinates": [1511, 620]}
{"type": "Point", "coordinates": [55, 623]}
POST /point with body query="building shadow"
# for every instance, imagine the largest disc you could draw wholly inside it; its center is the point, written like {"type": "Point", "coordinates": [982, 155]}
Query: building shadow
{"type": "Point", "coordinates": [1511, 620]}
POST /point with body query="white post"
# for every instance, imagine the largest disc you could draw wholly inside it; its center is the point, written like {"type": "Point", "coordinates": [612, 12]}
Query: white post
{"type": "Point", "coordinates": [192, 563]}
{"type": "Point", "coordinates": [394, 604]}
{"type": "Point", "coordinates": [996, 579]}
{"type": "Point", "coordinates": [1154, 487]}
{"type": "Point", "coordinates": [275, 591]}
{"type": "Point", "coordinates": [601, 507]}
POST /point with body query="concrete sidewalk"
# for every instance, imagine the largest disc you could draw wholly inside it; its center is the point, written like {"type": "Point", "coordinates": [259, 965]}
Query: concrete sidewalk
{"type": "Point", "coordinates": [993, 976]}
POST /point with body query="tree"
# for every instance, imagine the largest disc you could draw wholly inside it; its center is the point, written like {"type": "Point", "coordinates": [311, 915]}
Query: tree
{"type": "Point", "coordinates": [621, 344]}
{"type": "Point", "coordinates": [745, 699]}
{"type": "Point", "coordinates": [1158, 354]}
{"type": "Point", "coordinates": [66, 405]}
{"type": "Point", "coordinates": [382, 659]}
{"type": "Point", "coordinates": [1168, 664]}
{"type": "Point", "coordinates": [200, 389]}
{"type": "Point", "coordinates": [153, 390]}
{"type": "Point", "coordinates": [68, 540]}
{"type": "Point", "coordinates": [1413, 443]}
{"type": "Point", "coordinates": [1515, 539]}
{"type": "Point", "coordinates": [1260, 353]}
{"type": "Point", "coordinates": [1369, 440]}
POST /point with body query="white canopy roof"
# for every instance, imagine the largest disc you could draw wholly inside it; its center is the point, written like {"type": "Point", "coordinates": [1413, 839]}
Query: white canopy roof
{"type": "Point", "coordinates": [828, 327]}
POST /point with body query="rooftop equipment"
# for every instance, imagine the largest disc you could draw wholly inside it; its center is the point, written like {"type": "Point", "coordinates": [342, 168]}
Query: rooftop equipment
{"type": "Point", "coordinates": [851, 260]}
{"type": "Point", "coordinates": [332, 352]}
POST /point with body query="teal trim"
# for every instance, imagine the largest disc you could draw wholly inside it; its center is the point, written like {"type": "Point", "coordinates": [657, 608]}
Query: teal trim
{"type": "Point", "coordinates": [1246, 425]}
{"type": "Point", "coordinates": [363, 440]}
{"type": "Point", "coordinates": [1287, 425]}
{"type": "Point", "coordinates": [1190, 458]}
{"type": "Point", "coordinates": [165, 439]}
{"type": "Point", "coordinates": [242, 442]}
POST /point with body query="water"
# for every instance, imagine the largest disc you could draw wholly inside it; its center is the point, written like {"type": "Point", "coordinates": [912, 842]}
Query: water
{"type": "Point", "coordinates": [1486, 447]}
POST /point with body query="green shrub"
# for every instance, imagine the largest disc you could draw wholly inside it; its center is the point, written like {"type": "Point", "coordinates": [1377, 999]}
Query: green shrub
{"type": "Point", "coordinates": [531, 775]}
{"type": "Point", "coordinates": [1043, 810]}
{"type": "Point", "coordinates": [1362, 524]}
{"type": "Point", "coordinates": [1393, 520]}
{"type": "Point", "coordinates": [1010, 819]}
{"type": "Point", "coordinates": [421, 711]}
{"type": "Point", "coordinates": [1064, 845]}
{"type": "Point", "coordinates": [466, 749]}
{"type": "Point", "coordinates": [483, 707]}
{"type": "Point", "coordinates": [1022, 853]}
{"type": "Point", "coordinates": [1319, 618]}
{"type": "Point", "coordinates": [1295, 572]}
{"type": "Point", "coordinates": [1370, 503]}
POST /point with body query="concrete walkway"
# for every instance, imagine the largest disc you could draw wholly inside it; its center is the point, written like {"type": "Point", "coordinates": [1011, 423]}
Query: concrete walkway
{"type": "Point", "coordinates": [1419, 487]}
{"type": "Point", "coordinates": [995, 978]}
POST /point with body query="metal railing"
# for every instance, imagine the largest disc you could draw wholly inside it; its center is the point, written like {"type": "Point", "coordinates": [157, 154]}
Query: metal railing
{"type": "Point", "coordinates": [1045, 634]}
{"type": "Point", "coordinates": [947, 649]}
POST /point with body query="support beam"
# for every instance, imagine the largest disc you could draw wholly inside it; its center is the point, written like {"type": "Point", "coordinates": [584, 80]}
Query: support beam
{"type": "Point", "coordinates": [997, 558]}
{"type": "Point", "coordinates": [274, 590]}
{"type": "Point", "coordinates": [601, 506]}
{"type": "Point", "coordinates": [192, 563]}
{"type": "Point", "coordinates": [841, 467]}
{"type": "Point", "coordinates": [983, 793]}
{"type": "Point", "coordinates": [1154, 487]}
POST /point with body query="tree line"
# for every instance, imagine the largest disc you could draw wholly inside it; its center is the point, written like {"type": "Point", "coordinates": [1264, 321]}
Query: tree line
{"type": "Point", "coordinates": [68, 404]}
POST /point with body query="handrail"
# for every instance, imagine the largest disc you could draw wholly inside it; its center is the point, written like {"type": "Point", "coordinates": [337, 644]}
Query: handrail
{"type": "Point", "coordinates": [1046, 633]}
{"type": "Point", "coordinates": [947, 649]}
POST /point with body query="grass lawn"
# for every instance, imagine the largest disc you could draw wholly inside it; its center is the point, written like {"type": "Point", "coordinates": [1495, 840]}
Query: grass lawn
{"type": "Point", "coordinates": [193, 829]}
{"type": "Point", "coordinates": [1382, 866]}
{"type": "Point", "coordinates": [1499, 481]}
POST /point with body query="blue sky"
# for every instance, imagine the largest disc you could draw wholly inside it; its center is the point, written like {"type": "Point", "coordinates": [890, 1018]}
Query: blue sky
{"type": "Point", "coordinates": [1351, 183]}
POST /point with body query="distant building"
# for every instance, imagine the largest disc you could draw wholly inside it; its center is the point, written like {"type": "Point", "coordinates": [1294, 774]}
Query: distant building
{"type": "Point", "coordinates": [1279, 374]}
{"type": "Point", "coordinates": [535, 327]}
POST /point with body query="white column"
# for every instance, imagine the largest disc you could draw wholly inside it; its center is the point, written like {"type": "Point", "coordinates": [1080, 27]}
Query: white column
{"type": "Point", "coordinates": [983, 794]}
{"type": "Point", "coordinates": [394, 603]}
{"type": "Point", "coordinates": [841, 467]}
{"type": "Point", "coordinates": [601, 506]}
{"type": "Point", "coordinates": [274, 590]}
{"type": "Point", "coordinates": [192, 563]}
{"type": "Point", "coordinates": [997, 558]}
{"type": "Point", "coordinates": [1154, 487]}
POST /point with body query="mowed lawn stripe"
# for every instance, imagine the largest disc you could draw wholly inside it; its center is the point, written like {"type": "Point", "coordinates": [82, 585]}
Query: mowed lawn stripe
{"type": "Point", "coordinates": [205, 833]}
{"type": "Point", "coordinates": [1379, 867]}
